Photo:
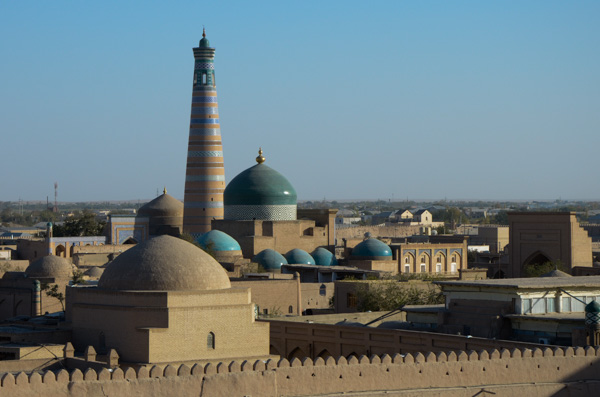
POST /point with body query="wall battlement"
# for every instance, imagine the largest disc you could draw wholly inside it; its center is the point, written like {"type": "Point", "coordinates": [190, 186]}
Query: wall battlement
{"type": "Point", "coordinates": [526, 367]}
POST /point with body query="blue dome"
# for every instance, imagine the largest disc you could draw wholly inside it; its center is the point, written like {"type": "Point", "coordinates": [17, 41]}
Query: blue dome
{"type": "Point", "coordinates": [299, 257]}
{"type": "Point", "coordinates": [216, 240]}
{"type": "Point", "coordinates": [323, 257]}
{"type": "Point", "coordinates": [269, 259]}
{"type": "Point", "coordinates": [372, 248]}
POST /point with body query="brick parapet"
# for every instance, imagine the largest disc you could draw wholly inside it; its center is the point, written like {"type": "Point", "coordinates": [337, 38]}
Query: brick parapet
{"type": "Point", "coordinates": [322, 376]}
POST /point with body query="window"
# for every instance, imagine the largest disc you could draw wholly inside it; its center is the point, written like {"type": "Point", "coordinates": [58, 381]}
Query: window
{"type": "Point", "coordinates": [291, 310]}
{"type": "Point", "coordinates": [438, 268]}
{"type": "Point", "coordinates": [203, 78]}
{"type": "Point", "coordinates": [210, 341]}
{"type": "Point", "coordinates": [453, 258]}
{"type": "Point", "coordinates": [526, 306]}
{"type": "Point", "coordinates": [265, 311]}
{"type": "Point", "coordinates": [406, 259]}
{"type": "Point", "coordinates": [195, 78]}
{"type": "Point", "coordinates": [423, 268]}
{"type": "Point", "coordinates": [406, 268]}
{"type": "Point", "coordinates": [351, 300]}
{"type": "Point", "coordinates": [550, 305]}
{"type": "Point", "coordinates": [323, 290]}
{"type": "Point", "coordinates": [577, 306]}
{"type": "Point", "coordinates": [566, 304]}
{"type": "Point", "coordinates": [538, 306]}
{"type": "Point", "coordinates": [453, 267]}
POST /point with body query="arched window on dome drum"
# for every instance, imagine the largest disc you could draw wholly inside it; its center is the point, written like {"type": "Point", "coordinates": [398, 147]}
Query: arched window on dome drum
{"type": "Point", "coordinates": [214, 79]}
{"type": "Point", "coordinates": [210, 341]}
{"type": "Point", "coordinates": [204, 78]}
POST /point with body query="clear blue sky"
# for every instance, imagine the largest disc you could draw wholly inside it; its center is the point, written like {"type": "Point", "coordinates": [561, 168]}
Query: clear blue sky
{"type": "Point", "coordinates": [349, 99]}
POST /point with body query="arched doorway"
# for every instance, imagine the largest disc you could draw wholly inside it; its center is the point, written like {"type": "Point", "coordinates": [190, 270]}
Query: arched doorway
{"type": "Point", "coordinates": [60, 251]}
{"type": "Point", "coordinates": [130, 241]}
{"type": "Point", "coordinates": [536, 264]}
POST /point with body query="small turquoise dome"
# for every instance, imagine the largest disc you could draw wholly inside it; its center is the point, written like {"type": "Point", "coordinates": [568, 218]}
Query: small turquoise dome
{"type": "Point", "coordinates": [323, 257]}
{"type": "Point", "coordinates": [269, 259]}
{"type": "Point", "coordinates": [299, 257]}
{"type": "Point", "coordinates": [592, 307]}
{"type": "Point", "coordinates": [259, 185]}
{"type": "Point", "coordinates": [204, 41]}
{"type": "Point", "coordinates": [372, 248]}
{"type": "Point", "coordinates": [592, 314]}
{"type": "Point", "coordinates": [216, 240]}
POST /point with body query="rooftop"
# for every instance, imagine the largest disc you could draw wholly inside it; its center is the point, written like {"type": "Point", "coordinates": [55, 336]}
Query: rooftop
{"type": "Point", "coordinates": [529, 283]}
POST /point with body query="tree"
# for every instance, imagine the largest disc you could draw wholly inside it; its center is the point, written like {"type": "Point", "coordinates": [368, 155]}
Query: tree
{"type": "Point", "coordinates": [391, 295]}
{"type": "Point", "coordinates": [78, 277]}
{"type": "Point", "coordinates": [84, 225]}
{"type": "Point", "coordinates": [538, 269]}
{"type": "Point", "coordinates": [53, 293]}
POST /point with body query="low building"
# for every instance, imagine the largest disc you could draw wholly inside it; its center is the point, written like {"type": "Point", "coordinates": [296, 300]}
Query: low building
{"type": "Point", "coordinates": [547, 310]}
{"type": "Point", "coordinates": [166, 300]}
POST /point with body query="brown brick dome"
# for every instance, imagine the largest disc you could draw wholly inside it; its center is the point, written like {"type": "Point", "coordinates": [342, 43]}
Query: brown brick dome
{"type": "Point", "coordinates": [164, 263]}
{"type": "Point", "coordinates": [50, 267]}
{"type": "Point", "coordinates": [163, 205]}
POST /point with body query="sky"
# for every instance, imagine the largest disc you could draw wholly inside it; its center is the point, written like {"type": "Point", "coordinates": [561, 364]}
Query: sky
{"type": "Point", "coordinates": [495, 100]}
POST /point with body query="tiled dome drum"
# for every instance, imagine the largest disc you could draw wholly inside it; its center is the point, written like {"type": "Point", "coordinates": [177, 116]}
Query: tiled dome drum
{"type": "Point", "coordinates": [260, 193]}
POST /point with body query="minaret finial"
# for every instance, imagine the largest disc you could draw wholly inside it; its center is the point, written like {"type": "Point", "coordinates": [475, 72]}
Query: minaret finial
{"type": "Point", "coordinates": [260, 159]}
{"type": "Point", "coordinates": [165, 190]}
{"type": "Point", "coordinates": [203, 32]}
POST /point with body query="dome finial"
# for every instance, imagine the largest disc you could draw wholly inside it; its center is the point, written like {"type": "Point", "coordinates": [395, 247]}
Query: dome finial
{"type": "Point", "coordinates": [260, 159]}
{"type": "Point", "coordinates": [165, 190]}
{"type": "Point", "coordinates": [203, 32]}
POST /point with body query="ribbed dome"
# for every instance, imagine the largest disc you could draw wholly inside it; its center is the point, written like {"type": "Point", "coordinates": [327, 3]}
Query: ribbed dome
{"type": "Point", "coordinates": [260, 185]}
{"type": "Point", "coordinates": [216, 240]}
{"type": "Point", "coordinates": [50, 267]}
{"type": "Point", "coordinates": [269, 259]}
{"type": "Point", "coordinates": [324, 257]}
{"type": "Point", "coordinates": [163, 205]}
{"type": "Point", "coordinates": [299, 257]}
{"type": "Point", "coordinates": [372, 248]}
{"type": "Point", "coordinates": [164, 263]}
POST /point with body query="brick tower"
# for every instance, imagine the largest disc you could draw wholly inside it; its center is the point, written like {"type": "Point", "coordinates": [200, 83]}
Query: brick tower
{"type": "Point", "coordinates": [205, 173]}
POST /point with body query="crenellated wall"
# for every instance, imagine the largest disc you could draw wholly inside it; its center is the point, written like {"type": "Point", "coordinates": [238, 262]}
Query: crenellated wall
{"type": "Point", "coordinates": [549, 371]}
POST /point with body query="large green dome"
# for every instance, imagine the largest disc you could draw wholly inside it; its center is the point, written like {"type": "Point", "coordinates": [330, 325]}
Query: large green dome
{"type": "Point", "coordinates": [260, 193]}
{"type": "Point", "coordinates": [260, 185]}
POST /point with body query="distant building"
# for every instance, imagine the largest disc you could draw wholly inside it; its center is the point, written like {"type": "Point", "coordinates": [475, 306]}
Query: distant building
{"type": "Point", "coordinates": [540, 237]}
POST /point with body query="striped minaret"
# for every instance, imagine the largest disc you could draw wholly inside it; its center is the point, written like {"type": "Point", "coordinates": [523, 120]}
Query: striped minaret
{"type": "Point", "coordinates": [205, 173]}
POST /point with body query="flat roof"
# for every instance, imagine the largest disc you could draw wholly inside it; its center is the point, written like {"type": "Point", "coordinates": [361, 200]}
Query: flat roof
{"type": "Point", "coordinates": [562, 317]}
{"type": "Point", "coordinates": [526, 283]}
{"type": "Point", "coordinates": [329, 268]}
